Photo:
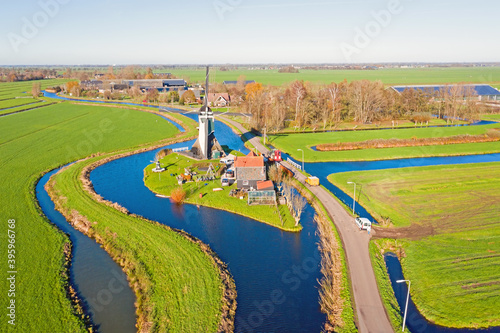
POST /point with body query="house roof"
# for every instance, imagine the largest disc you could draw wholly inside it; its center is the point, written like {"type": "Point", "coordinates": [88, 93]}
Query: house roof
{"type": "Point", "coordinates": [251, 153]}
{"type": "Point", "coordinates": [213, 97]}
{"type": "Point", "coordinates": [477, 89]}
{"type": "Point", "coordinates": [265, 184]}
{"type": "Point", "coordinates": [249, 162]}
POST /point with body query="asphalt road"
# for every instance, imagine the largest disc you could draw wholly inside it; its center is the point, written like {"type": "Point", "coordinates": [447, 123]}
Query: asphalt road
{"type": "Point", "coordinates": [370, 312]}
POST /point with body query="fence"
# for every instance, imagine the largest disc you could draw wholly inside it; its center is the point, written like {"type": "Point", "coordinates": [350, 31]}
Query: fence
{"type": "Point", "coordinates": [175, 150]}
{"type": "Point", "coordinates": [298, 166]}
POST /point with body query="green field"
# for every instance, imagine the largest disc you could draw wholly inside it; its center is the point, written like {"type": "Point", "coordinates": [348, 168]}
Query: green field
{"type": "Point", "coordinates": [453, 268]}
{"type": "Point", "coordinates": [291, 142]}
{"type": "Point", "coordinates": [387, 76]}
{"type": "Point", "coordinates": [31, 144]}
{"type": "Point", "coordinates": [180, 288]}
{"type": "Point", "coordinates": [164, 184]}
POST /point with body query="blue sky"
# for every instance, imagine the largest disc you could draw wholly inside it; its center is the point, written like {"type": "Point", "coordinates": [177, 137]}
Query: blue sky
{"type": "Point", "coordinates": [245, 31]}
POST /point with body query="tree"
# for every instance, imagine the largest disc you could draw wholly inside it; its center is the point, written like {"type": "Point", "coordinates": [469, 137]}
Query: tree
{"type": "Point", "coordinates": [73, 87]}
{"type": "Point", "coordinates": [173, 96]}
{"type": "Point", "coordinates": [152, 95]}
{"type": "Point", "coordinates": [298, 92]}
{"type": "Point", "coordinates": [36, 89]}
{"type": "Point", "coordinates": [149, 74]}
{"type": "Point", "coordinates": [188, 97]}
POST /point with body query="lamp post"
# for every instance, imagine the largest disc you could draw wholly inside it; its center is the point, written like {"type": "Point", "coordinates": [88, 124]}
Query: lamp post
{"type": "Point", "coordinates": [407, 297]}
{"type": "Point", "coordinates": [353, 198]}
{"type": "Point", "coordinates": [302, 159]}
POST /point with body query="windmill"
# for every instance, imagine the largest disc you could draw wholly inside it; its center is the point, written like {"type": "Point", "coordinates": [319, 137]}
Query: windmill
{"type": "Point", "coordinates": [206, 146]}
{"type": "Point", "coordinates": [158, 167]}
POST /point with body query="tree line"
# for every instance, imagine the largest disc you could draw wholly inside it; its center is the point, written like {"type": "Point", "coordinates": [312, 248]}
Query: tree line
{"type": "Point", "coordinates": [323, 106]}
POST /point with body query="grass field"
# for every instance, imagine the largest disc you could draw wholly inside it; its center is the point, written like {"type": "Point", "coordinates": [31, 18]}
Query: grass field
{"type": "Point", "coordinates": [387, 76]}
{"type": "Point", "coordinates": [23, 88]}
{"type": "Point", "coordinates": [176, 163]}
{"type": "Point", "coordinates": [463, 246]}
{"type": "Point", "coordinates": [291, 142]}
{"type": "Point", "coordinates": [32, 143]}
{"type": "Point", "coordinates": [180, 287]}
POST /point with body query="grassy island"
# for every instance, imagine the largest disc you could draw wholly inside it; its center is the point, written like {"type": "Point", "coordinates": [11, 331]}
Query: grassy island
{"type": "Point", "coordinates": [165, 182]}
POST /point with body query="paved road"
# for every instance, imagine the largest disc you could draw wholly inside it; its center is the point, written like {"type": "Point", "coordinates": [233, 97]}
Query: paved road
{"type": "Point", "coordinates": [371, 314]}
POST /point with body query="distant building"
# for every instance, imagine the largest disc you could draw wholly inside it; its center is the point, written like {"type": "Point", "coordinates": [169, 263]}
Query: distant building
{"type": "Point", "coordinates": [218, 99]}
{"type": "Point", "coordinates": [160, 84]}
{"type": "Point", "coordinates": [91, 84]}
{"type": "Point", "coordinates": [482, 92]}
{"type": "Point", "coordinates": [249, 170]}
{"type": "Point", "coordinates": [228, 83]}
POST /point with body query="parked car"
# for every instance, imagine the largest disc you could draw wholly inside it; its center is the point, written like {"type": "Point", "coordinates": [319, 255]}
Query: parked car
{"type": "Point", "coordinates": [363, 223]}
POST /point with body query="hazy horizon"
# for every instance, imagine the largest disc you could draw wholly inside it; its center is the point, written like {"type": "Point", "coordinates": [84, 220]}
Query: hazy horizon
{"type": "Point", "coordinates": [58, 32]}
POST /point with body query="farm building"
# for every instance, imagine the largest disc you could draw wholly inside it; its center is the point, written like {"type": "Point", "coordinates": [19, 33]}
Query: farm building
{"type": "Point", "coordinates": [483, 92]}
{"type": "Point", "coordinates": [160, 84]}
{"type": "Point", "coordinates": [218, 99]}
{"type": "Point", "coordinates": [249, 170]}
{"type": "Point", "coordinates": [262, 197]}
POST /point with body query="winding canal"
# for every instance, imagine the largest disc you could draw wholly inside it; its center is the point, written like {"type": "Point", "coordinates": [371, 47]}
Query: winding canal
{"type": "Point", "coordinates": [276, 272]}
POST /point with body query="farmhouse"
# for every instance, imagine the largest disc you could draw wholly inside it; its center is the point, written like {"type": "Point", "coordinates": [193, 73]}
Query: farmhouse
{"type": "Point", "coordinates": [482, 92]}
{"type": "Point", "coordinates": [160, 84]}
{"type": "Point", "coordinates": [218, 99]}
{"type": "Point", "coordinates": [249, 170]}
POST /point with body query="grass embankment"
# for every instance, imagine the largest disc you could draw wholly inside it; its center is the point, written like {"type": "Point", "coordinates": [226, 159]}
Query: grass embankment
{"type": "Point", "coordinates": [377, 250]}
{"type": "Point", "coordinates": [163, 183]}
{"type": "Point", "coordinates": [463, 245]}
{"type": "Point", "coordinates": [290, 142]}
{"type": "Point", "coordinates": [390, 76]}
{"type": "Point", "coordinates": [31, 144]}
{"type": "Point", "coordinates": [178, 287]}
{"type": "Point", "coordinates": [335, 293]}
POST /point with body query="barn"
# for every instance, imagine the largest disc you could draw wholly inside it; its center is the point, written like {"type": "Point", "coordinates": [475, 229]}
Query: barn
{"type": "Point", "coordinates": [482, 92]}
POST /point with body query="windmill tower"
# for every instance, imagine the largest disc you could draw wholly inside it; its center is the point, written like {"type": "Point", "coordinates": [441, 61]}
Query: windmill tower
{"type": "Point", "coordinates": [206, 144]}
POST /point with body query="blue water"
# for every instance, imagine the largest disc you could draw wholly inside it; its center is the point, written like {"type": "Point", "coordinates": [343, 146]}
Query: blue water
{"type": "Point", "coordinates": [275, 272]}
{"type": "Point", "coordinates": [415, 322]}
{"type": "Point", "coordinates": [323, 169]}
{"type": "Point", "coordinates": [98, 280]}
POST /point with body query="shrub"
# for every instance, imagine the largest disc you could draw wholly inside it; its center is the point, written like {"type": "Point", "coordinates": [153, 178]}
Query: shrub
{"type": "Point", "coordinates": [178, 195]}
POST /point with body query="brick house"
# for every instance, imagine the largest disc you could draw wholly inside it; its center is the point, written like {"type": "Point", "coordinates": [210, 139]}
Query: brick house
{"type": "Point", "coordinates": [249, 170]}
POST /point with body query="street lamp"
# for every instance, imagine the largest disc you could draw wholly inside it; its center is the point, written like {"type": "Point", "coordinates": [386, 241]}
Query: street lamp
{"type": "Point", "coordinates": [302, 159]}
{"type": "Point", "coordinates": [354, 198]}
{"type": "Point", "coordinates": [407, 297]}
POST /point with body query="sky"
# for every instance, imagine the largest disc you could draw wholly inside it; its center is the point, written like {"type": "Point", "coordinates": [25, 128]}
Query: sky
{"type": "Point", "coordinates": [73, 32]}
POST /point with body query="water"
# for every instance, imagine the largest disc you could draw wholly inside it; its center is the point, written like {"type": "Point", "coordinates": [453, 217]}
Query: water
{"type": "Point", "coordinates": [276, 272]}
{"type": "Point", "coordinates": [323, 169]}
{"type": "Point", "coordinates": [98, 280]}
{"type": "Point", "coordinates": [415, 322]}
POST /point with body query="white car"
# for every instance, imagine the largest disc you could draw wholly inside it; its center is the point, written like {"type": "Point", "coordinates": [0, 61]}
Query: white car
{"type": "Point", "coordinates": [363, 223]}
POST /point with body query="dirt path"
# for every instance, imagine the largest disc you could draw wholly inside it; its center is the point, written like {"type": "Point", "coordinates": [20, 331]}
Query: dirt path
{"type": "Point", "coordinates": [371, 314]}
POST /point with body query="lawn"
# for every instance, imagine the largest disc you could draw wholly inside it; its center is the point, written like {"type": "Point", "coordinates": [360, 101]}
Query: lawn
{"type": "Point", "coordinates": [291, 142]}
{"type": "Point", "coordinates": [163, 183]}
{"type": "Point", "coordinates": [180, 288]}
{"type": "Point", "coordinates": [391, 76]}
{"type": "Point", "coordinates": [31, 144]}
{"type": "Point", "coordinates": [461, 204]}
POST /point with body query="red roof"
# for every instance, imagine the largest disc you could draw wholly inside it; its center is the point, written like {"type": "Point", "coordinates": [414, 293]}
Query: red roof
{"type": "Point", "coordinates": [249, 162]}
{"type": "Point", "coordinates": [251, 153]}
{"type": "Point", "coordinates": [265, 185]}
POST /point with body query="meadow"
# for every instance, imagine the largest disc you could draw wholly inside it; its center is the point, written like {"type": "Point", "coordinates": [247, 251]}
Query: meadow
{"type": "Point", "coordinates": [177, 286]}
{"type": "Point", "coordinates": [453, 269]}
{"type": "Point", "coordinates": [32, 143]}
{"type": "Point", "coordinates": [291, 142]}
{"type": "Point", "coordinates": [390, 76]}
{"type": "Point", "coordinates": [163, 183]}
